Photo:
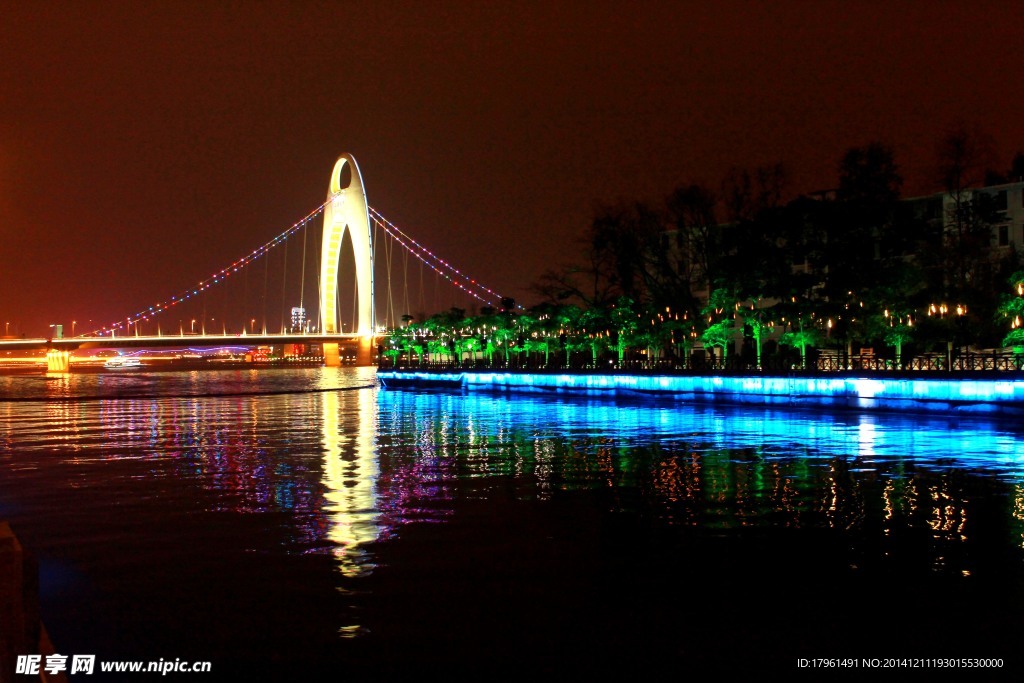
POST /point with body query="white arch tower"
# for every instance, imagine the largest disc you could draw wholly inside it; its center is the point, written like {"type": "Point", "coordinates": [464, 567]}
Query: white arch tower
{"type": "Point", "coordinates": [346, 210]}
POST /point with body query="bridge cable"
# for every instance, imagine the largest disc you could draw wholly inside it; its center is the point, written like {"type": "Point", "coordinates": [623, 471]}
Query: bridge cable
{"type": "Point", "coordinates": [376, 243]}
{"type": "Point", "coordinates": [439, 265]}
{"type": "Point", "coordinates": [389, 250]}
{"type": "Point", "coordinates": [302, 279]}
{"type": "Point", "coordinates": [405, 283]}
{"type": "Point", "coordinates": [320, 305]}
{"type": "Point", "coordinates": [245, 298]}
{"type": "Point", "coordinates": [217, 278]}
{"type": "Point", "coordinates": [355, 296]}
{"type": "Point", "coordinates": [266, 266]}
{"type": "Point", "coordinates": [284, 284]}
{"type": "Point", "coordinates": [423, 293]}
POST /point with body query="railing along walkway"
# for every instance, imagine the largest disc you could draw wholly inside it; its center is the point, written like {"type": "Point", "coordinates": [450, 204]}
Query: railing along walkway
{"type": "Point", "coordinates": [968, 364]}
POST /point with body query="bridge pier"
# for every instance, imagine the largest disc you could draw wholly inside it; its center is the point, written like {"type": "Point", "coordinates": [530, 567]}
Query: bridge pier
{"type": "Point", "coordinates": [58, 361]}
{"type": "Point", "coordinates": [364, 353]}
{"type": "Point", "coordinates": [332, 355]}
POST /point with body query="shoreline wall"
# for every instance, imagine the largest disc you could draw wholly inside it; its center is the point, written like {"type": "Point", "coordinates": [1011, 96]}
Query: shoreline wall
{"type": "Point", "coordinates": [945, 395]}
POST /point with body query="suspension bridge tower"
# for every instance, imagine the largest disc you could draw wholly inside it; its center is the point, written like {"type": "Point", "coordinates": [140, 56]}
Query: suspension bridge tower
{"type": "Point", "coordinates": [346, 209]}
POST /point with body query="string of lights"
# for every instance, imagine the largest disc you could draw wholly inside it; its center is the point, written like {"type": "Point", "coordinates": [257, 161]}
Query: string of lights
{"type": "Point", "coordinates": [423, 254]}
{"type": "Point", "coordinates": [216, 278]}
{"type": "Point", "coordinates": [440, 271]}
{"type": "Point", "coordinates": [444, 269]}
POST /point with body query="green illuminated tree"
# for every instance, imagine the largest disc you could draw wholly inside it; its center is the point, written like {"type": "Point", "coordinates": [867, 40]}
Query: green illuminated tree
{"type": "Point", "coordinates": [721, 324]}
{"type": "Point", "coordinates": [654, 332]}
{"type": "Point", "coordinates": [593, 325]}
{"type": "Point", "coordinates": [900, 332]}
{"type": "Point", "coordinates": [718, 334]}
{"type": "Point", "coordinates": [623, 320]}
{"type": "Point", "coordinates": [503, 336]}
{"type": "Point", "coordinates": [757, 318]}
{"type": "Point", "coordinates": [397, 342]}
{"type": "Point", "coordinates": [803, 338]}
{"type": "Point", "coordinates": [682, 336]}
{"type": "Point", "coordinates": [1012, 309]}
{"type": "Point", "coordinates": [468, 345]}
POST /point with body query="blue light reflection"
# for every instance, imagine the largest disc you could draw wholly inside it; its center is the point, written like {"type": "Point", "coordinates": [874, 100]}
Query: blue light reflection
{"type": "Point", "coordinates": [877, 441]}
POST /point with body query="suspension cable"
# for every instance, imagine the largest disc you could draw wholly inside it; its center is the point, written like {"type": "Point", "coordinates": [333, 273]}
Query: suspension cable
{"type": "Point", "coordinates": [214, 279]}
{"type": "Point", "coordinates": [439, 265]}
{"type": "Point", "coordinates": [441, 268]}
{"type": "Point", "coordinates": [389, 247]}
{"type": "Point", "coordinates": [284, 284]}
{"type": "Point", "coordinates": [302, 281]}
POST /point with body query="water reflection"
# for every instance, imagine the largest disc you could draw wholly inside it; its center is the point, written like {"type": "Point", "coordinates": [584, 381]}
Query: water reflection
{"type": "Point", "coordinates": [708, 467]}
{"type": "Point", "coordinates": [351, 467]}
{"type": "Point", "coordinates": [873, 442]}
{"type": "Point", "coordinates": [302, 489]}
{"type": "Point", "coordinates": [350, 476]}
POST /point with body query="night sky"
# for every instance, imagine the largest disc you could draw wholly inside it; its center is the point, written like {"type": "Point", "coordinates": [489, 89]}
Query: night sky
{"type": "Point", "coordinates": [145, 145]}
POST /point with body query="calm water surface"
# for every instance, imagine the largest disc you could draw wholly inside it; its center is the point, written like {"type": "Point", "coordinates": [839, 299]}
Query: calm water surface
{"type": "Point", "coordinates": [306, 522]}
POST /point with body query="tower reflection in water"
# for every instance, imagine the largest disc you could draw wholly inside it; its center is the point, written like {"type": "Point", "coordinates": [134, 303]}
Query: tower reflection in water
{"type": "Point", "coordinates": [350, 473]}
{"type": "Point", "coordinates": [302, 488]}
{"type": "Point", "coordinates": [350, 467]}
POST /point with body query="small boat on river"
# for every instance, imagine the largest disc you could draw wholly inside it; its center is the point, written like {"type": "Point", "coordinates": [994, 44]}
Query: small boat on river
{"type": "Point", "coordinates": [122, 363]}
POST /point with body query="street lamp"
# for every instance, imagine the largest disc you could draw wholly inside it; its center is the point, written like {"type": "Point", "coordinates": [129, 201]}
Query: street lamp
{"type": "Point", "coordinates": [193, 325]}
{"type": "Point", "coordinates": [73, 323]}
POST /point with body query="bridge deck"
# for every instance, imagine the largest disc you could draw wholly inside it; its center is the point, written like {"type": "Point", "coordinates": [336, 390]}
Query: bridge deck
{"type": "Point", "coordinates": [164, 341]}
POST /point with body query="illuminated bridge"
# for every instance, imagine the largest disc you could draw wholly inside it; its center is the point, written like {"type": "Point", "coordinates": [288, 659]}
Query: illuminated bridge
{"type": "Point", "coordinates": [384, 275]}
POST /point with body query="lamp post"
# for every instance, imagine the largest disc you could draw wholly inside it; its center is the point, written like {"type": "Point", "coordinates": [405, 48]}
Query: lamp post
{"type": "Point", "coordinates": [193, 325]}
{"type": "Point", "coordinates": [961, 311]}
{"type": "Point", "coordinates": [73, 323]}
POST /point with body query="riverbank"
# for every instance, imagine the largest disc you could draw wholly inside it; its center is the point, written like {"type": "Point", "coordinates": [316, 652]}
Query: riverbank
{"type": "Point", "coordinates": [973, 393]}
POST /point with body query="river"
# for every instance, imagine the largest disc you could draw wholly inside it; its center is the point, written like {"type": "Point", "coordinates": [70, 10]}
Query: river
{"type": "Point", "coordinates": [305, 522]}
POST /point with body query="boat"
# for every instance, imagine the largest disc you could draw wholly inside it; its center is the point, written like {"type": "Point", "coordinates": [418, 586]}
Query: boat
{"type": "Point", "coordinates": [122, 363]}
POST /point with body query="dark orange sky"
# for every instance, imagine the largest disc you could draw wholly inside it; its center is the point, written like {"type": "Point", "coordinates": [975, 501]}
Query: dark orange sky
{"type": "Point", "coordinates": [144, 145]}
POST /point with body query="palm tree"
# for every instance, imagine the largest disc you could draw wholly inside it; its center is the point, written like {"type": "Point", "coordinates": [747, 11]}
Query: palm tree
{"type": "Point", "coordinates": [624, 320]}
{"type": "Point", "coordinates": [754, 317]}
{"type": "Point", "coordinates": [721, 305]}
